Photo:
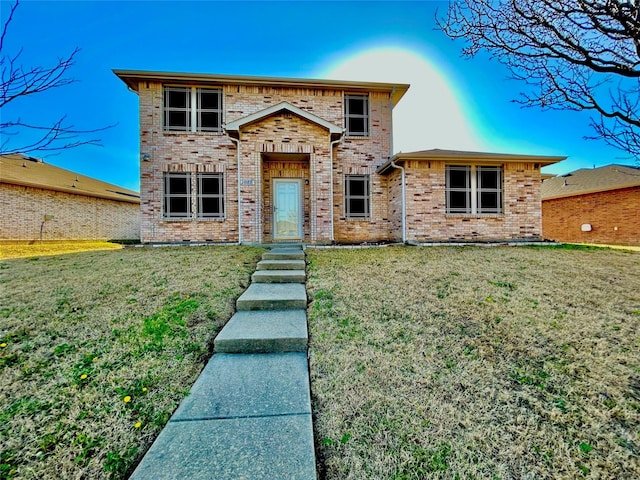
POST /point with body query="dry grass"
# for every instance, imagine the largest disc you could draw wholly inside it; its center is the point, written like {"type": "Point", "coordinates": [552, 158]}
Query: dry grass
{"type": "Point", "coordinates": [81, 334]}
{"type": "Point", "coordinates": [471, 362]}
{"type": "Point", "coordinates": [40, 249]}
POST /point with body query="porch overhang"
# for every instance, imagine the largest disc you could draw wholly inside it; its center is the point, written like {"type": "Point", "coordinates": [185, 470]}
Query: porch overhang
{"type": "Point", "coordinates": [233, 128]}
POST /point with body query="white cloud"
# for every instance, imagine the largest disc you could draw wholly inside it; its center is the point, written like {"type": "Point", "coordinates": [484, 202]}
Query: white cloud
{"type": "Point", "coordinates": [429, 115]}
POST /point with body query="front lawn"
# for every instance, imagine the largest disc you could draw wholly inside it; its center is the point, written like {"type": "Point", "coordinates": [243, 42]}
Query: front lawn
{"type": "Point", "coordinates": [471, 362]}
{"type": "Point", "coordinates": [97, 349]}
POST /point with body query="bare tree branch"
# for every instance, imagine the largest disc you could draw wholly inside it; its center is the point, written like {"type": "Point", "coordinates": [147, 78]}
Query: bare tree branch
{"type": "Point", "coordinates": [581, 55]}
{"type": "Point", "coordinates": [18, 83]}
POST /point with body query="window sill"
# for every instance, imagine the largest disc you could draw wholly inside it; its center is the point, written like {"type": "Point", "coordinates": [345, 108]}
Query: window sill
{"type": "Point", "coordinates": [192, 220]}
{"type": "Point", "coordinates": [357, 219]}
{"type": "Point", "coordinates": [189, 132]}
{"type": "Point", "coordinates": [474, 215]}
{"type": "Point", "coordinates": [356, 137]}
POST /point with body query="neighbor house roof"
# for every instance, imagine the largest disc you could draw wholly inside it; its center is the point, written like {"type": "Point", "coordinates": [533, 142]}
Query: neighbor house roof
{"type": "Point", "coordinates": [19, 169]}
{"type": "Point", "coordinates": [132, 77]}
{"type": "Point", "coordinates": [282, 106]}
{"type": "Point", "coordinates": [459, 156]}
{"type": "Point", "coordinates": [591, 180]}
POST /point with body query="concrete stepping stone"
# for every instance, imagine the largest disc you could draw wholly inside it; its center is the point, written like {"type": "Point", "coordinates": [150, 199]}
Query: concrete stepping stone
{"type": "Point", "coordinates": [264, 331]}
{"type": "Point", "coordinates": [247, 416]}
{"type": "Point", "coordinates": [249, 385]}
{"type": "Point", "coordinates": [262, 448]}
{"type": "Point", "coordinates": [281, 265]}
{"type": "Point", "coordinates": [273, 296]}
{"type": "Point", "coordinates": [284, 254]}
{"type": "Point", "coordinates": [279, 276]}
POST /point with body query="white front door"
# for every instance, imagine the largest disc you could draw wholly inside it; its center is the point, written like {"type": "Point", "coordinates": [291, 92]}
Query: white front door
{"type": "Point", "coordinates": [287, 209]}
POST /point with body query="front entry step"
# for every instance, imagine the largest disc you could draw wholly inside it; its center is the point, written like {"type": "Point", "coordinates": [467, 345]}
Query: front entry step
{"type": "Point", "coordinates": [279, 276]}
{"type": "Point", "coordinates": [273, 296]}
{"type": "Point", "coordinates": [281, 265]}
{"type": "Point", "coordinates": [284, 254]}
{"type": "Point", "coordinates": [263, 331]}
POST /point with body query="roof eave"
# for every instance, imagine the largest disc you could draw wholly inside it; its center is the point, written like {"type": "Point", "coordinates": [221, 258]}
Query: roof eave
{"type": "Point", "coordinates": [479, 157]}
{"type": "Point", "coordinates": [132, 77]}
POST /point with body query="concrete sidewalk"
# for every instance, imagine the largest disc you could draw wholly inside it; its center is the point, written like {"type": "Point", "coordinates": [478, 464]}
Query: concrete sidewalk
{"type": "Point", "coordinates": [248, 415]}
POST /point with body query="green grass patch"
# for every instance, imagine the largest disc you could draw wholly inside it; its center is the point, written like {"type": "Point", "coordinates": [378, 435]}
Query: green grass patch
{"type": "Point", "coordinates": [496, 371]}
{"type": "Point", "coordinates": [98, 348]}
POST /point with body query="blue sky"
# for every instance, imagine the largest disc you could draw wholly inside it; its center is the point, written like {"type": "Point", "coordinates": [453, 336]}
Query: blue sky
{"type": "Point", "coordinates": [453, 102]}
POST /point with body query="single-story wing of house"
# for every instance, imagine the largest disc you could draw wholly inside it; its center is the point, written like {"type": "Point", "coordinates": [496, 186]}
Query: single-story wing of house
{"type": "Point", "coordinates": [267, 160]}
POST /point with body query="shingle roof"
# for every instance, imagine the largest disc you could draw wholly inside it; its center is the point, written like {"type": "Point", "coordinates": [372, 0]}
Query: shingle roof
{"type": "Point", "coordinates": [591, 180]}
{"type": "Point", "coordinates": [19, 169]}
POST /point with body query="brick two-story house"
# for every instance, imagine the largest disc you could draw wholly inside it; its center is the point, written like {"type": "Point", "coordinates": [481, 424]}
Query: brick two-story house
{"type": "Point", "coordinates": [260, 160]}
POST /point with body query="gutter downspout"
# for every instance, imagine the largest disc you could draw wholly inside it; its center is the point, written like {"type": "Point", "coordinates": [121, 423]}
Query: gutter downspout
{"type": "Point", "coordinates": [404, 213]}
{"type": "Point", "coordinates": [331, 144]}
{"type": "Point", "coordinates": [237, 142]}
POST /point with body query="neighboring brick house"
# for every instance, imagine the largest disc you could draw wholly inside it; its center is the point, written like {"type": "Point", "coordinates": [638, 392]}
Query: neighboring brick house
{"type": "Point", "coordinates": [37, 198]}
{"type": "Point", "coordinates": [310, 161]}
{"type": "Point", "coordinates": [599, 205]}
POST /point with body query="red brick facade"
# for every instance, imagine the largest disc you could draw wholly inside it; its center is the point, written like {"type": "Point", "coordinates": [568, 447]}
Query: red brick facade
{"type": "Point", "coordinates": [73, 217]}
{"type": "Point", "coordinates": [614, 217]}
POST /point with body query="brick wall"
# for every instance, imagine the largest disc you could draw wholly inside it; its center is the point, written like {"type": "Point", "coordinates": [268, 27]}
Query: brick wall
{"type": "Point", "coordinates": [75, 217]}
{"type": "Point", "coordinates": [427, 219]}
{"type": "Point", "coordinates": [614, 217]}
{"type": "Point", "coordinates": [192, 151]}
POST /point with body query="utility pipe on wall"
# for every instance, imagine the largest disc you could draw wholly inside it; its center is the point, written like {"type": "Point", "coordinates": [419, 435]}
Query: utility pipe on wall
{"type": "Point", "coordinates": [402, 200]}
{"type": "Point", "coordinates": [237, 142]}
{"type": "Point", "coordinates": [331, 144]}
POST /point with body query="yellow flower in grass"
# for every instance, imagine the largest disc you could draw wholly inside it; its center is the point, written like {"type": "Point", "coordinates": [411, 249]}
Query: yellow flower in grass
{"type": "Point", "coordinates": [83, 376]}
{"type": "Point", "coordinates": [95, 359]}
{"type": "Point", "coordinates": [144, 389]}
{"type": "Point", "coordinates": [3, 345]}
{"type": "Point", "coordinates": [126, 399]}
{"type": "Point", "coordinates": [137, 425]}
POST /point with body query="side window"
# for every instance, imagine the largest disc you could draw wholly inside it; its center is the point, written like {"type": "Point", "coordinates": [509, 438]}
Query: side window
{"type": "Point", "coordinates": [177, 195]}
{"type": "Point", "coordinates": [474, 189]}
{"type": "Point", "coordinates": [356, 115]}
{"type": "Point", "coordinates": [489, 189]}
{"type": "Point", "coordinates": [356, 197]}
{"type": "Point", "coordinates": [210, 195]}
{"type": "Point", "coordinates": [458, 188]}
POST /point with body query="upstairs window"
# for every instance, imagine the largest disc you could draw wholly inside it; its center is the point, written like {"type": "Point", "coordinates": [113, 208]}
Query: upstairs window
{"type": "Point", "coordinates": [474, 189]}
{"type": "Point", "coordinates": [209, 109]}
{"type": "Point", "coordinates": [177, 195]}
{"type": "Point", "coordinates": [177, 109]}
{"type": "Point", "coordinates": [210, 195]}
{"type": "Point", "coordinates": [356, 197]}
{"type": "Point", "coordinates": [356, 114]}
{"type": "Point", "coordinates": [190, 109]}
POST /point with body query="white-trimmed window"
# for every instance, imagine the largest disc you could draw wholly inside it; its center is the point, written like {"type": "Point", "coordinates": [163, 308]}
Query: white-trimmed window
{"type": "Point", "coordinates": [180, 114]}
{"type": "Point", "coordinates": [210, 195]}
{"type": "Point", "coordinates": [472, 189]}
{"type": "Point", "coordinates": [356, 115]}
{"type": "Point", "coordinates": [356, 197]}
{"type": "Point", "coordinates": [177, 196]}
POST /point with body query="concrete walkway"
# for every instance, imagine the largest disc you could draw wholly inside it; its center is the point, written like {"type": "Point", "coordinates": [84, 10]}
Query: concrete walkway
{"type": "Point", "coordinates": [248, 415]}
